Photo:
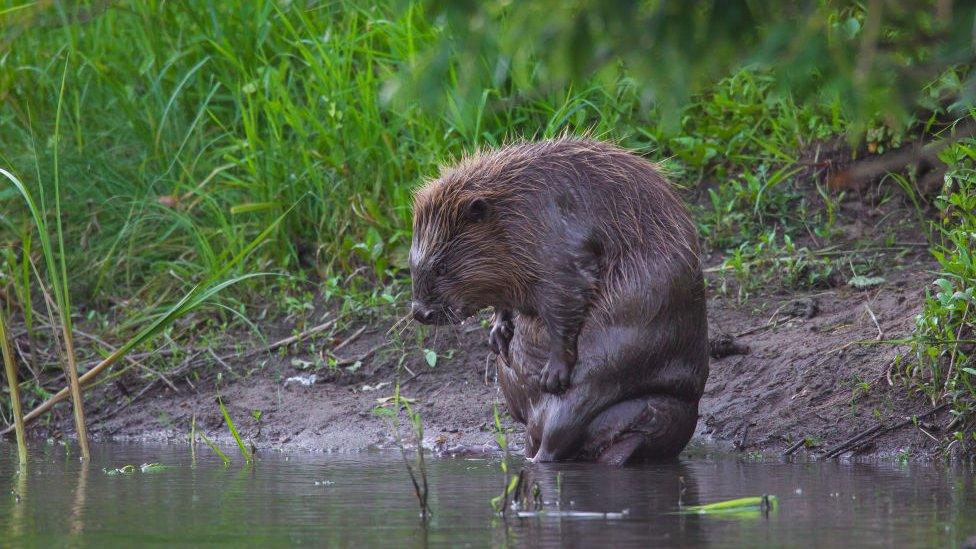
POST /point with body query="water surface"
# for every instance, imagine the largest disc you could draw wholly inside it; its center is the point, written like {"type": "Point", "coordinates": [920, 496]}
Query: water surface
{"type": "Point", "coordinates": [360, 500]}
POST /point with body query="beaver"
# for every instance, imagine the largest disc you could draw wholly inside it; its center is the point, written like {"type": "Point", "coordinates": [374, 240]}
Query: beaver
{"type": "Point", "coordinates": [590, 261]}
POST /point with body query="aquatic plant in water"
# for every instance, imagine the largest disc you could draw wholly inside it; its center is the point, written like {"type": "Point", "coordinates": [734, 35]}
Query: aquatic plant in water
{"type": "Point", "coordinates": [418, 469]}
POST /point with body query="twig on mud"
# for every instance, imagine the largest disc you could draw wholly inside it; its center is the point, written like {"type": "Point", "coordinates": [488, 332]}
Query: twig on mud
{"type": "Point", "coordinates": [794, 447]}
{"type": "Point", "coordinates": [862, 173]}
{"type": "Point", "coordinates": [409, 379]}
{"type": "Point", "coordinates": [926, 433]}
{"type": "Point", "coordinates": [130, 359]}
{"type": "Point", "coordinates": [289, 340]}
{"type": "Point", "coordinates": [349, 339]}
{"type": "Point", "coordinates": [190, 362]}
{"type": "Point", "coordinates": [222, 360]}
{"type": "Point", "coordinates": [355, 359]}
{"type": "Point", "coordinates": [811, 310]}
{"type": "Point", "coordinates": [439, 391]}
{"type": "Point", "coordinates": [859, 439]}
{"type": "Point", "coordinates": [223, 363]}
{"type": "Point", "coordinates": [844, 346]}
{"type": "Point", "coordinates": [875, 319]}
{"type": "Point", "coordinates": [853, 442]}
{"type": "Point", "coordinates": [887, 374]}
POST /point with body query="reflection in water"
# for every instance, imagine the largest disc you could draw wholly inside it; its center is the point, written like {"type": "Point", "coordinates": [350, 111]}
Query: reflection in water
{"type": "Point", "coordinates": [367, 500]}
{"type": "Point", "coordinates": [78, 507]}
{"type": "Point", "coordinates": [638, 492]}
{"type": "Point", "coordinates": [19, 508]}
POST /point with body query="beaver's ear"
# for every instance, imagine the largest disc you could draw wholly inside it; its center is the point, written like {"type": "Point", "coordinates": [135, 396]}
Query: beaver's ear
{"type": "Point", "coordinates": [477, 210]}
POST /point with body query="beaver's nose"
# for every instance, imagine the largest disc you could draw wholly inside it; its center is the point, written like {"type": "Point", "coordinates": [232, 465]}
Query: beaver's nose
{"type": "Point", "coordinates": [422, 314]}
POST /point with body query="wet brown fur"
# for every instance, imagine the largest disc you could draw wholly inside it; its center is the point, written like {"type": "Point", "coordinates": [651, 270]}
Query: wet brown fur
{"type": "Point", "coordinates": [587, 253]}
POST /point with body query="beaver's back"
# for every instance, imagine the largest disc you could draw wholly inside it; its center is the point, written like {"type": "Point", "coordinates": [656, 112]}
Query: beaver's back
{"type": "Point", "coordinates": [622, 197]}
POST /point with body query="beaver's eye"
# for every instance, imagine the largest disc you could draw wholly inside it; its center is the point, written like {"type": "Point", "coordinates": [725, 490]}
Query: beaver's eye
{"type": "Point", "coordinates": [440, 269]}
{"type": "Point", "coordinates": [477, 210]}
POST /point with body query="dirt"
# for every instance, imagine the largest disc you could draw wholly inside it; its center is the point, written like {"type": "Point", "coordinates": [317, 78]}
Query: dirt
{"type": "Point", "coordinates": [795, 372]}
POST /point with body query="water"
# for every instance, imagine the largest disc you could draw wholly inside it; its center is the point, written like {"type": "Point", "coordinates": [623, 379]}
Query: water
{"type": "Point", "coordinates": [360, 500]}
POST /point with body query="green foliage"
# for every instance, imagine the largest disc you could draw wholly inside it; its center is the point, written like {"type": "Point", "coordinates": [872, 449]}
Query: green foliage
{"type": "Point", "coordinates": [875, 56]}
{"type": "Point", "coordinates": [245, 452]}
{"type": "Point", "coordinates": [945, 331]}
{"type": "Point", "coordinates": [191, 130]}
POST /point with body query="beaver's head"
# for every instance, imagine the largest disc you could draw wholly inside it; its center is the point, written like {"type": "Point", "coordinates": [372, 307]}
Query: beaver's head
{"type": "Point", "coordinates": [460, 260]}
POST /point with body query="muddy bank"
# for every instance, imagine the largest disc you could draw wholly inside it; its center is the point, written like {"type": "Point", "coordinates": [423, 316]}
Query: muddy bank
{"type": "Point", "coordinates": [806, 372]}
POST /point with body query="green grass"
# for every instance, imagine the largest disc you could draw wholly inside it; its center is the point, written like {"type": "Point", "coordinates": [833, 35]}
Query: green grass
{"type": "Point", "coordinates": [186, 132]}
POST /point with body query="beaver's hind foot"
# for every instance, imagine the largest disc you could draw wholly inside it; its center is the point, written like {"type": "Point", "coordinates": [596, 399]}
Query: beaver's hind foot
{"type": "Point", "coordinates": [652, 427]}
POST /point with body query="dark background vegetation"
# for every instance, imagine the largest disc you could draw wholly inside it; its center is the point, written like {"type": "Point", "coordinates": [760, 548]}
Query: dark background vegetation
{"type": "Point", "coordinates": [176, 134]}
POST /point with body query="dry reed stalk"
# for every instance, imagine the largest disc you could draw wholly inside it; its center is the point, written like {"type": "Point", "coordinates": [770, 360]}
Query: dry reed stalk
{"type": "Point", "coordinates": [8, 362]}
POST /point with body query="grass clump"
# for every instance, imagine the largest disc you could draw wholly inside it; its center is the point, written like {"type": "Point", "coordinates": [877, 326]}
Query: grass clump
{"type": "Point", "coordinates": [944, 342]}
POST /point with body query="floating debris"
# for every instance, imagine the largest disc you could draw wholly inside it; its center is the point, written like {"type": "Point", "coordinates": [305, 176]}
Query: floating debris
{"type": "Point", "coordinates": [324, 482]}
{"type": "Point", "coordinates": [131, 469]}
{"type": "Point", "coordinates": [574, 514]}
{"type": "Point", "coordinates": [124, 470]}
{"type": "Point", "coordinates": [763, 504]}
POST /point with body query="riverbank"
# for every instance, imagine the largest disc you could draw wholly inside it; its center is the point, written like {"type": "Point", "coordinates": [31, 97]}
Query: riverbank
{"type": "Point", "coordinates": [794, 371]}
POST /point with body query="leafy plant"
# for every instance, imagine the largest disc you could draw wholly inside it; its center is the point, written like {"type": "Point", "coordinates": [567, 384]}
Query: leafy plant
{"type": "Point", "coordinates": [944, 341]}
{"type": "Point", "coordinates": [500, 502]}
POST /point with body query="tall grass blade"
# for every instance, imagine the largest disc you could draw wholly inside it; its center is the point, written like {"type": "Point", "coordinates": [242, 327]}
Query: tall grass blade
{"type": "Point", "coordinates": [245, 453]}
{"type": "Point", "coordinates": [223, 457]}
{"type": "Point", "coordinates": [61, 282]}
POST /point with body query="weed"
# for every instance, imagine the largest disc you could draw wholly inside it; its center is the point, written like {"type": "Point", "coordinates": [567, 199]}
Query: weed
{"type": "Point", "coordinates": [859, 387]}
{"type": "Point", "coordinates": [500, 503]}
{"type": "Point", "coordinates": [944, 341]}
{"type": "Point", "coordinates": [245, 452]}
{"type": "Point", "coordinates": [418, 469]}
{"type": "Point", "coordinates": [216, 450]}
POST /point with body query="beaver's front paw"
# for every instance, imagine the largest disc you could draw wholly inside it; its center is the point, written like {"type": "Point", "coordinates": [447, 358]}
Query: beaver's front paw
{"type": "Point", "coordinates": [555, 377]}
{"type": "Point", "coordinates": [500, 335]}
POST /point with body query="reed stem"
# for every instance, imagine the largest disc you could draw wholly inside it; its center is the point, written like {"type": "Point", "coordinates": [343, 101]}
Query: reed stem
{"type": "Point", "coordinates": [61, 286]}
{"type": "Point", "coordinates": [74, 386]}
{"type": "Point", "coordinates": [8, 362]}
